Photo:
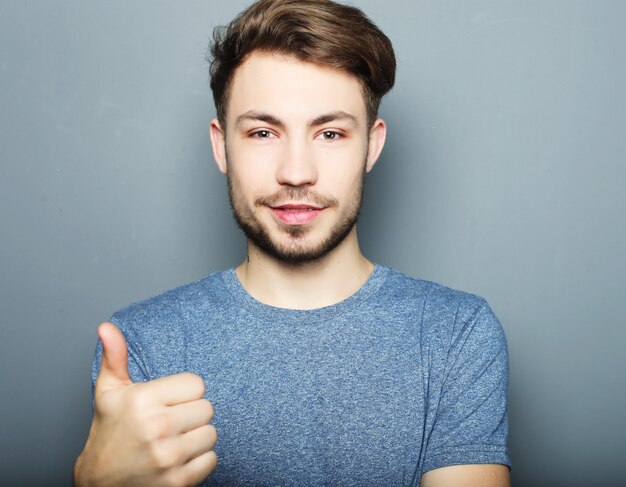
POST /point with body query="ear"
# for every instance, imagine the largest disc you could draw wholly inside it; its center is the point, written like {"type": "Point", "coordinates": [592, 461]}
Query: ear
{"type": "Point", "coordinates": [218, 142]}
{"type": "Point", "coordinates": [375, 143]}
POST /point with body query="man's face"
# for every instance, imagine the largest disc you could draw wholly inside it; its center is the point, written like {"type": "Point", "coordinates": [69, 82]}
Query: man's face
{"type": "Point", "coordinates": [296, 151]}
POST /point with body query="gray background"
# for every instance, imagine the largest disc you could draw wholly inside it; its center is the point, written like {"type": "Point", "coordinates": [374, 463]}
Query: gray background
{"type": "Point", "coordinates": [503, 175]}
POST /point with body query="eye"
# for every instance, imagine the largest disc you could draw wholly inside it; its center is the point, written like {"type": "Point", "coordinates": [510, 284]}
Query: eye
{"type": "Point", "coordinates": [262, 134]}
{"type": "Point", "coordinates": [329, 135]}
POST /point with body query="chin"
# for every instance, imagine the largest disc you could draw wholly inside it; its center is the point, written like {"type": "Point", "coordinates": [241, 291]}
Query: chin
{"type": "Point", "coordinates": [299, 248]}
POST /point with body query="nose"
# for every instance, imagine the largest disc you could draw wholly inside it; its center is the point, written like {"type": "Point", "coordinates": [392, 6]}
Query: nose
{"type": "Point", "coordinates": [297, 165]}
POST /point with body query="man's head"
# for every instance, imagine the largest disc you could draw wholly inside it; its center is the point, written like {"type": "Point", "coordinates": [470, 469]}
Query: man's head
{"type": "Point", "coordinates": [320, 32]}
{"type": "Point", "coordinates": [297, 84]}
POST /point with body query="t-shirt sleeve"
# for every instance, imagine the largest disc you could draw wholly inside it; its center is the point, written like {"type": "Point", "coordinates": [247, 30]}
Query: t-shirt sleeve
{"type": "Point", "coordinates": [467, 419]}
{"type": "Point", "coordinates": [136, 366]}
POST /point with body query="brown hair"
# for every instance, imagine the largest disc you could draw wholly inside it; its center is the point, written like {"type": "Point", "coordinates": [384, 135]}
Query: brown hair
{"type": "Point", "coordinates": [318, 31]}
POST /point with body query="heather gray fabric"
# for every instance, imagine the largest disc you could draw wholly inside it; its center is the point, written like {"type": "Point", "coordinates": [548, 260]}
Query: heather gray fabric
{"type": "Point", "coordinates": [402, 377]}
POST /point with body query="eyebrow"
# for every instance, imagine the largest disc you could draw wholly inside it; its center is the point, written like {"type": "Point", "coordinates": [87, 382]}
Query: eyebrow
{"type": "Point", "coordinates": [331, 117]}
{"type": "Point", "coordinates": [319, 120]}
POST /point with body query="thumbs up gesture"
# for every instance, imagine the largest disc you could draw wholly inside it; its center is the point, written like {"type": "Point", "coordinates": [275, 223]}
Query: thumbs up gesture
{"type": "Point", "coordinates": [153, 433]}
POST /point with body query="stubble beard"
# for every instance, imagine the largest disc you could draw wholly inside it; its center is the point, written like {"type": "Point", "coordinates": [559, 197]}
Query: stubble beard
{"type": "Point", "coordinates": [296, 250]}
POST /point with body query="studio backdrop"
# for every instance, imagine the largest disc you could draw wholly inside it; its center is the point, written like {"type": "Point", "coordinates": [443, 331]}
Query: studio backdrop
{"type": "Point", "coordinates": [503, 175]}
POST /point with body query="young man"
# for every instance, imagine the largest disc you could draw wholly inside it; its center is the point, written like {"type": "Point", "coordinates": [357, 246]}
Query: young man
{"type": "Point", "coordinates": [323, 368]}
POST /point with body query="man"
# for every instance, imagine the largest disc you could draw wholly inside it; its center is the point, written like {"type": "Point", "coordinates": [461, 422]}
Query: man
{"type": "Point", "coordinates": [322, 368]}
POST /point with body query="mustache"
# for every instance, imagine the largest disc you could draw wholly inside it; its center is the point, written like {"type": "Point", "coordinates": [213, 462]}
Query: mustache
{"type": "Point", "coordinates": [299, 194]}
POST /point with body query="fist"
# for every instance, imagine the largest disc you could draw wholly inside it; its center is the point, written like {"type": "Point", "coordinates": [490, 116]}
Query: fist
{"type": "Point", "coordinates": [152, 433]}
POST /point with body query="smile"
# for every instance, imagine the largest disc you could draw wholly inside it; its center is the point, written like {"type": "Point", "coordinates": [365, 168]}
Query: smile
{"type": "Point", "coordinates": [293, 214]}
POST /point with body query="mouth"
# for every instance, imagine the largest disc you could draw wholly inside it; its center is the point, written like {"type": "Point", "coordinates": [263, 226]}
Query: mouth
{"type": "Point", "coordinates": [296, 214]}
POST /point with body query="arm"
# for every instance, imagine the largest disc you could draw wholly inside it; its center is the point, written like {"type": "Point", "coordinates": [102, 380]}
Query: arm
{"type": "Point", "coordinates": [488, 475]}
{"type": "Point", "coordinates": [467, 425]}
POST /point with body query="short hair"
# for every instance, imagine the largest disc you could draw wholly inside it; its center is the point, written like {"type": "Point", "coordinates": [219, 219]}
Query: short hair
{"type": "Point", "coordinates": [321, 32]}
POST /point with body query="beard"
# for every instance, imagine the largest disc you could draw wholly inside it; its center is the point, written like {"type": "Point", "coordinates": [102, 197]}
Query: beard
{"type": "Point", "coordinates": [296, 250]}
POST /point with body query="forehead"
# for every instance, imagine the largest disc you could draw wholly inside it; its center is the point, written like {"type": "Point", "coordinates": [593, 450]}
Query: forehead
{"type": "Point", "coordinates": [292, 89]}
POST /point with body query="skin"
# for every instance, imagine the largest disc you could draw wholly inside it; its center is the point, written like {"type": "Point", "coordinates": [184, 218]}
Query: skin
{"type": "Point", "coordinates": [295, 134]}
{"type": "Point", "coordinates": [468, 476]}
{"type": "Point", "coordinates": [271, 144]}
{"type": "Point", "coordinates": [149, 434]}
{"type": "Point", "coordinates": [297, 126]}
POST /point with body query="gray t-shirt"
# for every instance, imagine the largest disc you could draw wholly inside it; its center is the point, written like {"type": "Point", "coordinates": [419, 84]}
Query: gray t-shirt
{"type": "Point", "coordinates": [402, 377]}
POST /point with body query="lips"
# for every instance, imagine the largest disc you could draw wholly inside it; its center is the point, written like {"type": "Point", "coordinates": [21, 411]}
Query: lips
{"type": "Point", "coordinates": [296, 214]}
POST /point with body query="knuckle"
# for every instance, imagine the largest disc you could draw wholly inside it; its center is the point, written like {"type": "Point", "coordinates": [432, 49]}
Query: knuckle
{"type": "Point", "coordinates": [147, 432]}
{"type": "Point", "coordinates": [209, 410]}
{"type": "Point", "coordinates": [202, 467]}
{"type": "Point", "coordinates": [207, 435]}
{"type": "Point", "coordinates": [137, 401]}
{"type": "Point", "coordinates": [196, 382]}
{"type": "Point", "coordinates": [164, 456]}
{"type": "Point", "coordinates": [214, 434]}
{"type": "Point", "coordinates": [150, 421]}
{"type": "Point", "coordinates": [172, 480]}
{"type": "Point", "coordinates": [183, 478]}
{"type": "Point", "coordinates": [160, 424]}
{"type": "Point", "coordinates": [153, 426]}
{"type": "Point", "coordinates": [212, 461]}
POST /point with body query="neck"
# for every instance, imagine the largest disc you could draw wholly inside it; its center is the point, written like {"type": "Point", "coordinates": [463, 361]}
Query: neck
{"type": "Point", "coordinates": [324, 282]}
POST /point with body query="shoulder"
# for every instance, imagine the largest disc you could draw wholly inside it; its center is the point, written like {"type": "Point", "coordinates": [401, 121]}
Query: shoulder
{"type": "Point", "coordinates": [434, 297]}
{"type": "Point", "coordinates": [174, 307]}
{"type": "Point", "coordinates": [445, 313]}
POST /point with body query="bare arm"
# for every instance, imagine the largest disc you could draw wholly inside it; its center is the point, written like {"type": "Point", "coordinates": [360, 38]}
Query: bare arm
{"type": "Point", "coordinates": [488, 475]}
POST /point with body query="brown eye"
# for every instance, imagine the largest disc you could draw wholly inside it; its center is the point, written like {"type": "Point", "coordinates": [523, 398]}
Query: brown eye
{"type": "Point", "coordinates": [329, 135]}
{"type": "Point", "coordinates": [262, 134]}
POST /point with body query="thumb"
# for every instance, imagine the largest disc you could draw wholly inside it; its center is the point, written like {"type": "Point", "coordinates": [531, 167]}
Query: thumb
{"type": "Point", "coordinates": [114, 365]}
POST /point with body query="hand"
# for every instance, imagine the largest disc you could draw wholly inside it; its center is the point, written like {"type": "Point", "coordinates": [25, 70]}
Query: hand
{"type": "Point", "coordinates": [154, 433]}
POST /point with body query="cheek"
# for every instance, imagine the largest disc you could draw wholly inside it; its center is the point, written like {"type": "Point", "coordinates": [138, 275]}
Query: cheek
{"type": "Point", "coordinates": [253, 166]}
{"type": "Point", "coordinates": [248, 185]}
{"type": "Point", "coordinates": [344, 175]}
